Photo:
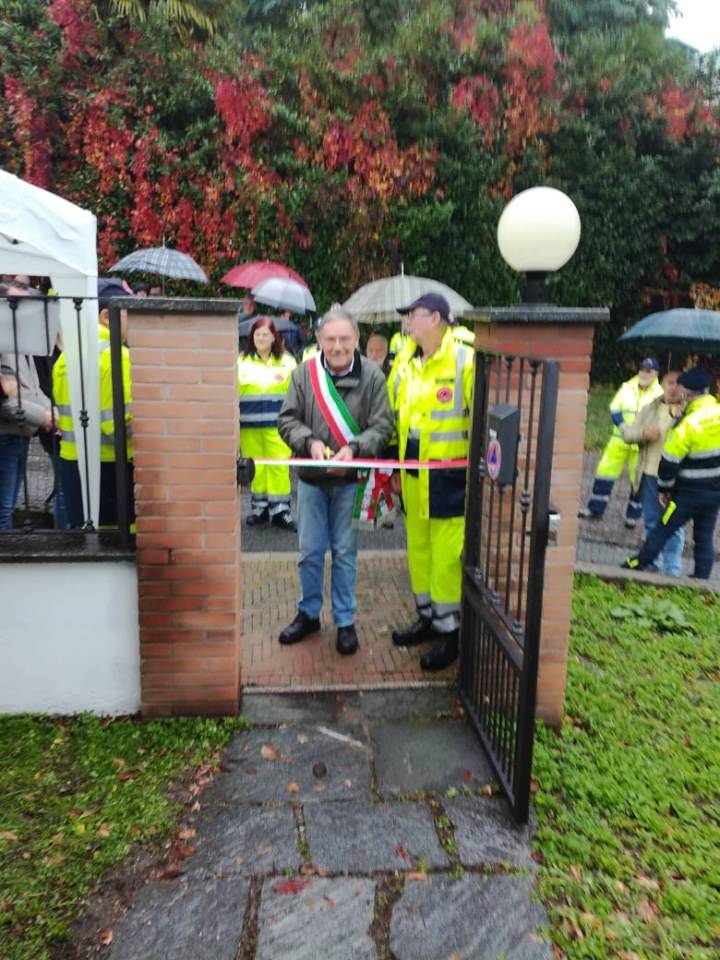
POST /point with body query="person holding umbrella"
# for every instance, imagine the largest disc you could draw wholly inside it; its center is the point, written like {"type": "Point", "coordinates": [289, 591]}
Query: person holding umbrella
{"type": "Point", "coordinates": [264, 372]}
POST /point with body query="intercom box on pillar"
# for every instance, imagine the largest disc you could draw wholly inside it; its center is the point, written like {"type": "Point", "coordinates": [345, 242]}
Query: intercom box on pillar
{"type": "Point", "coordinates": [503, 438]}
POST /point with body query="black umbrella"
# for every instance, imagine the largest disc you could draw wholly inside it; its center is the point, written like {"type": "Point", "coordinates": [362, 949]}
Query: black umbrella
{"type": "Point", "coordinates": [694, 331]}
{"type": "Point", "coordinates": [282, 325]}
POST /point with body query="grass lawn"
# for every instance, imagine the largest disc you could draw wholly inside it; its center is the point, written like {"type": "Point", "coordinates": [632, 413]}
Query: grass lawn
{"type": "Point", "coordinates": [629, 791]}
{"type": "Point", "coordinates": [598, 426]}
{"type": "Point", "coordinates": [76, 795]}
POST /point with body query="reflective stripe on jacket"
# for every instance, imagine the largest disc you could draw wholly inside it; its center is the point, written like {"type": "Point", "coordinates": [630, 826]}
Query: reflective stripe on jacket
{"type": "Point", "coordinates": [61, 395]}
{"type": "Point", "coordinates": [691, 456]}
{"type": "Point", "coordinates": [432, 402]}
{"type": "Point", "coordinates": [262, 385]}
{"type": "Point", "coordinates": [630, 399]}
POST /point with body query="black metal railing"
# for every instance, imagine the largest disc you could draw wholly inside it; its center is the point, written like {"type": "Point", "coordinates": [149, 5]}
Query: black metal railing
{"type": "Point", "coordinates": [30, 345]}
{"type": "Point", "coordinates": [506, 538]}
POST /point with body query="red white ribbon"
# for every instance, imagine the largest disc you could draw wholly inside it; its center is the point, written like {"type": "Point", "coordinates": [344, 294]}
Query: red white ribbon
{"type": "Point", "coordinates": [359, 464]}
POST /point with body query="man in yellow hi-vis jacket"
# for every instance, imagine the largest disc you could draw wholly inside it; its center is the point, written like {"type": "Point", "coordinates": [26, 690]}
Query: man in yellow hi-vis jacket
{"type": "Point", "coordinates": [632, 396]}
{"type": "Point", "coordinates": [69, 473]}
{"type": "Point", "coordinates": [431, 396]}
{"type": "Point", "coordinates": [689, 477]}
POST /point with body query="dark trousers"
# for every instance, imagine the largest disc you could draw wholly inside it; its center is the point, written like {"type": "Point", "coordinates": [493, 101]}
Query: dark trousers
{"type": "Point", "coordinates": [700, 506]}
{"type": "Point", "coordinates": [108, 494]}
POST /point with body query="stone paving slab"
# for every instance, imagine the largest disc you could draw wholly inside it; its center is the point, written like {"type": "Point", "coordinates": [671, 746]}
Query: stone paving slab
{"type": "Point", "coordinates": [413, 755]}
{"type": "Point", "coordinates": [486, 832]}
{"type": "Point", "coordinates": [319, 762]}
{"type": "Point", "coordinates": [474, 917]}
{"type": "Point", "coordinates": [361, 837]}
{"type": "Point", "coordinates": [244, 840]}
{"type": "Point", "coordinates": [314, 919]}
{"type": "Point", "coordinates": [347, 709]}
{"type": "Point", "coordinates": [183, 920]}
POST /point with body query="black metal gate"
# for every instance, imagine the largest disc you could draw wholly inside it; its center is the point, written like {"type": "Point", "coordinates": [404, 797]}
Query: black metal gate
{"type": "Point", "coordinates": [507, 524]}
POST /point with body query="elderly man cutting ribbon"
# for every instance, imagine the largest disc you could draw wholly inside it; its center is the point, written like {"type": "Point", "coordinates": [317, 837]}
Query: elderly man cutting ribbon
{"type": "Point", "coordinates": [337, 404]}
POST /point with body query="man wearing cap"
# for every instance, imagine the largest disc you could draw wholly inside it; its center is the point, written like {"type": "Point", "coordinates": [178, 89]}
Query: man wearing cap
{"type": "Point", "coordinates": [632, 396]}
{"type": "Point", "coordinates": [431, 394]}
{"type": "Point", "coordinates": [689, 477]}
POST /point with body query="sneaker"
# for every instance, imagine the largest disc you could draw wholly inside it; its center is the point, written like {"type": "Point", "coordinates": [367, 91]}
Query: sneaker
{"type": "Point", "coordinates": [630, 523]}
{"type": "Point", "coordinates": [585, 513]}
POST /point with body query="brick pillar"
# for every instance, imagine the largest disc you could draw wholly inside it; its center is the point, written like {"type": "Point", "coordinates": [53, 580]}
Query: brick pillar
{"type": "Point", "coordinates": [566, 335]}
{"type": "Point", "coordinates": [184, 355]}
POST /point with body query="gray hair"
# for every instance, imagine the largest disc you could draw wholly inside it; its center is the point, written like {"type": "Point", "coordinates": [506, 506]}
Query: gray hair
{"type": "Point", "coordinates": [337, 312]}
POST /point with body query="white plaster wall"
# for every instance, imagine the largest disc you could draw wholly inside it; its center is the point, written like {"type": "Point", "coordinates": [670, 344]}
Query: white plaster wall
{"type": "Point", "coordinates": [69, 638]}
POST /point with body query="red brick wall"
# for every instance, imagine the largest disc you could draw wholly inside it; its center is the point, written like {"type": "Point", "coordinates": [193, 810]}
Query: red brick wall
{"type": "Point", "coordinates": [188, 531]}
{"type": "Point", "coordinates": [571, 344]}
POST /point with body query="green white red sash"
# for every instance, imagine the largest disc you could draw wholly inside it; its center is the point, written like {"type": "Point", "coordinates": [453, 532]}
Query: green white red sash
{"type": "Point", "coordinates": [374, 503]}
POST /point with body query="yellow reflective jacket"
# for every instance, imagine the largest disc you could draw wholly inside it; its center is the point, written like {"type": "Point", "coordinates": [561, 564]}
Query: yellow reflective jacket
{"type": "Point", "coordinates": [61, 396]}
{"type": "Point", "coordinates": [309, 352]}
{"type": "Point", "coordinates": [432, 403]}
{"type": "Point", "coordinates": [691, 455]}
{"type": "Point", "coordinates": [262, 385]}
{"type": "Point", "coordinates": [629, 400]}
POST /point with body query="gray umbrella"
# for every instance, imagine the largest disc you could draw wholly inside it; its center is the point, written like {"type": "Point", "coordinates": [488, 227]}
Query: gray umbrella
{"type": "Point", "coordinates": [378, 301]}
{"type": "Point", "coordinates": [697, 331]}
{"type": "Point", "coordinates": [282, 325]}
{"type": "Point", "coordinates": [162, 261]}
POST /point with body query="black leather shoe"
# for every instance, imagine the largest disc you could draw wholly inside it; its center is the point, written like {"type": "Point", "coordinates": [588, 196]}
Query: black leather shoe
{"type": "Point", "coordinates": [258, 519]}
{"type": "Point", "coordinates": [347, 641]}
{"type": "Point", "coordinates": [418, 632]}
{"type": "Point", "coordinates": [300, 628]}
{"type": "Point", "coordinates": [283, 521]}
{"type": "Point", "coordinates": [442, 653]}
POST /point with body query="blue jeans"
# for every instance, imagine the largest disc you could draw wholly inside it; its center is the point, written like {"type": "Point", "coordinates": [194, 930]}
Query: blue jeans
{"type": "Point", "coordinates": [325, 519]}
{"type": "Point", "coordinates": [13, 454]}
{"type": "Point", "coordinates": [700, 506]}
{"type": "Point", "coordinates": [670, 559]}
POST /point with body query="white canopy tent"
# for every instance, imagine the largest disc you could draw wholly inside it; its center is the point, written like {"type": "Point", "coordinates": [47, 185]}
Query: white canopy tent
{"type": "Point", "coordinates": [43, 235]}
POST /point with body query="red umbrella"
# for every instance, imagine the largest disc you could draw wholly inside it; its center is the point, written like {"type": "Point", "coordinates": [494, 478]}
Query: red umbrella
{"type": "Point", "coordinates": [250, 274]}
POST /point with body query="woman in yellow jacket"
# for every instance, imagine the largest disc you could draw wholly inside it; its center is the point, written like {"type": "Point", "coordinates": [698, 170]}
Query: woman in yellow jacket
{"type": "Point", "coordinates": [264, 372]}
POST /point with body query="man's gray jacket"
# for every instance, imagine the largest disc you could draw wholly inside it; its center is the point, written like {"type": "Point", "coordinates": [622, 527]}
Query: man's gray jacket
{"type": "Point", "coordinates": [364, 391]}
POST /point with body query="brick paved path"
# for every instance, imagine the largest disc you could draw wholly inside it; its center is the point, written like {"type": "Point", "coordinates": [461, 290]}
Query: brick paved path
{"type": "Point", "coordinates": [270, 592]}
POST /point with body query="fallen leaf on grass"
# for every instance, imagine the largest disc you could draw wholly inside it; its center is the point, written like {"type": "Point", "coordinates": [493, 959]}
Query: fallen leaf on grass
{"type": "Point", "coordinates": [646, 911]}
{"type": "Point", "coordinates": [647, 883]}
{"type": "Point", "coordinates": [291, 886]}
{"type": "Point", "coordinates": [183, 850]}
{"type": "Point", "coordinates": [104, 830]}
{"type": "Point", "coordinates": [575, 873]}
{"type": "Point", "coordinates": [293, 787]}
{"type": "Point", "coordinates": [187, 834]}
{"type": "Point", "coordinates": [8, 835]}
{"type": "Point", "coordinates": [54, 859]}
{"type": "Point", "coordinates": [416, 875]}
{"type": "Point", "coordinates": [119, 762]}
{"type": "Point", "coordinates": [105, 937]}
{"type": "Point", "coordinates": [268, 752]}
{"type": "Point", "coordinates": [127, 774]}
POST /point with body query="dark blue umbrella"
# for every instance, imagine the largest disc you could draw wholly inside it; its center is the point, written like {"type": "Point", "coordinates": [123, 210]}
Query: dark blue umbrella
{"type": "Point", "coordinates": [696, 331]}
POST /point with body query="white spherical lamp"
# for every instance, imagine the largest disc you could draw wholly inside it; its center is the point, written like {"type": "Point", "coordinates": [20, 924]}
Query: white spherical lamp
{"type": "Point", "coordinates": [538, 232]}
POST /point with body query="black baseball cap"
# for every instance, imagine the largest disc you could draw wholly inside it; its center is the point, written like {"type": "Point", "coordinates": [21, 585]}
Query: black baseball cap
{"type": "Point", "coordinates": [431, 302]}
{"type": "Point", "coordinates": [649, 363]}
{"type": "Point", "coordinates": [695, 380]}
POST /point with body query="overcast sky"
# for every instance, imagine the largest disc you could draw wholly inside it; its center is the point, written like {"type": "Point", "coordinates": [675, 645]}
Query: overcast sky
{"type": "Point", "coordinates": [699, 25]}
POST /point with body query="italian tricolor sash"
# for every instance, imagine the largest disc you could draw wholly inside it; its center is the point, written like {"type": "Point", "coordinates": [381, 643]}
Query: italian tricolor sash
{"type": "Point", "coordinates": [374, 504]}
